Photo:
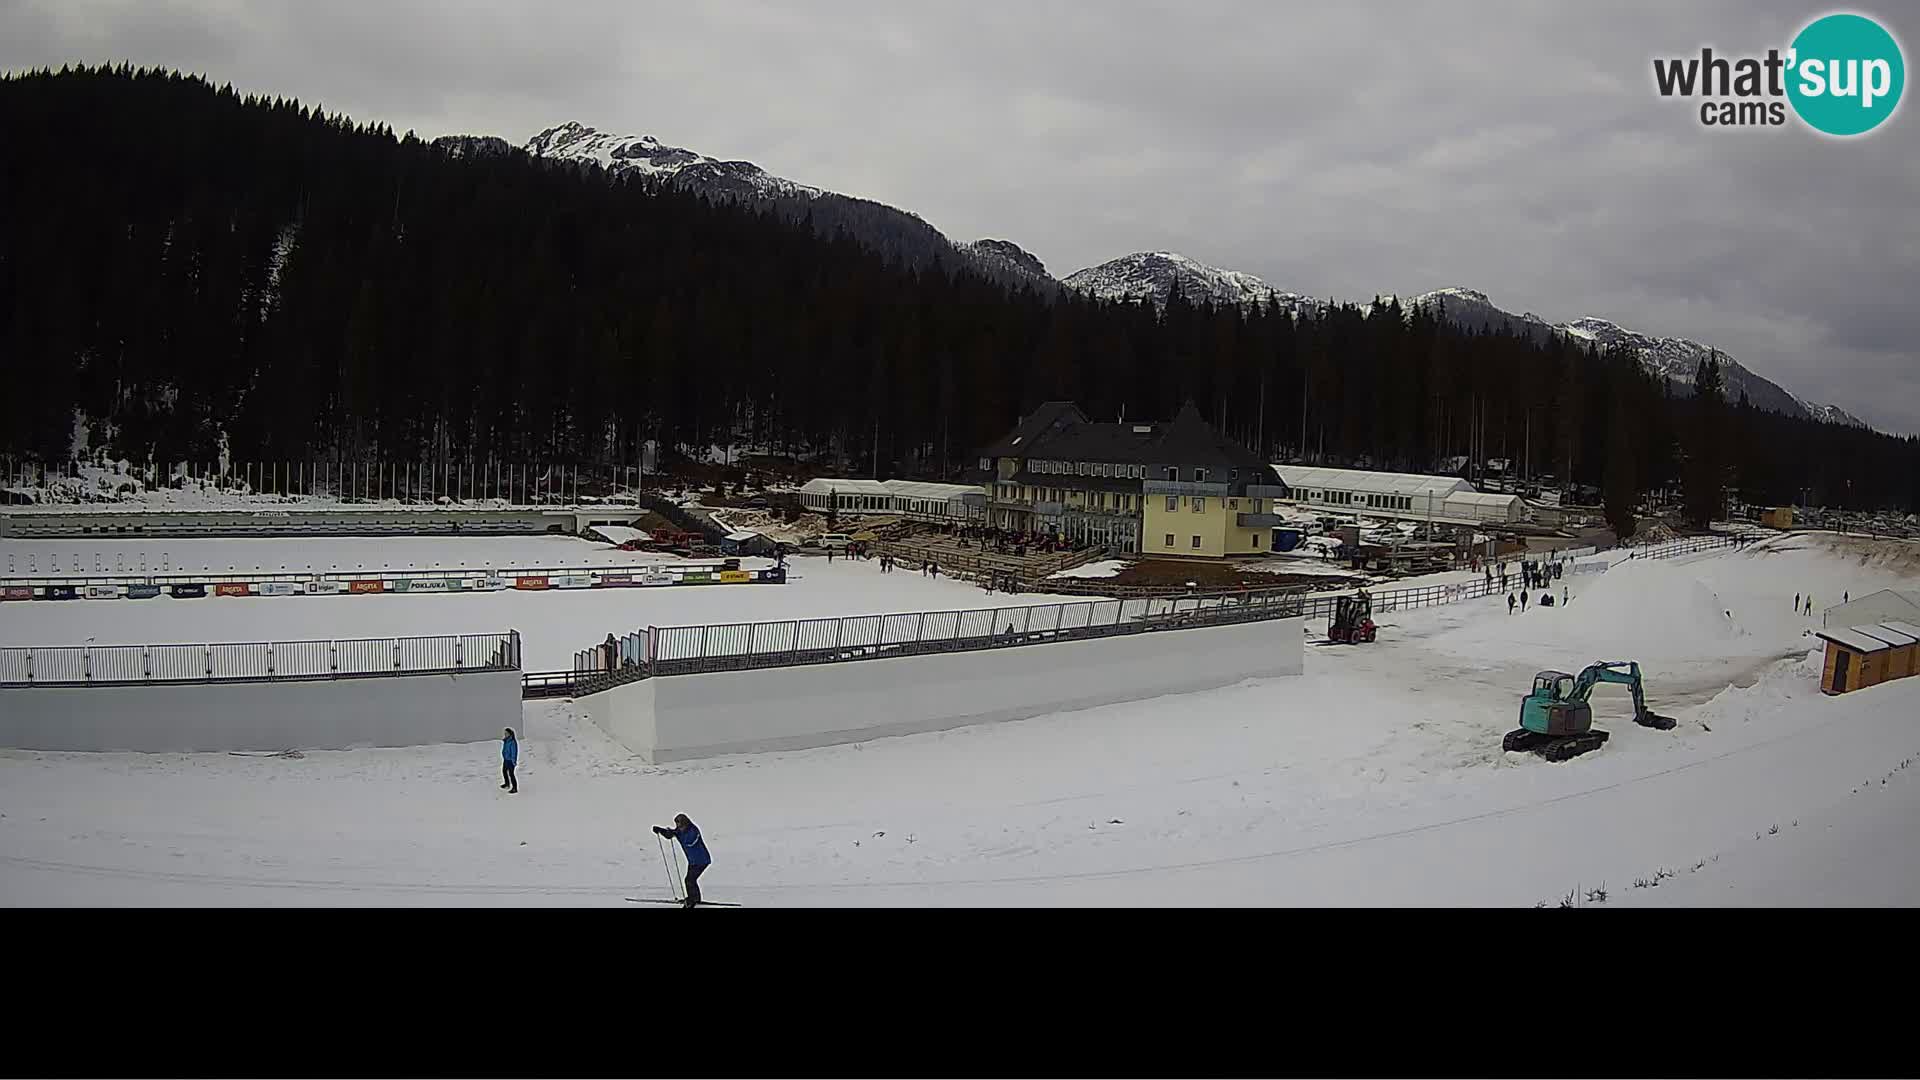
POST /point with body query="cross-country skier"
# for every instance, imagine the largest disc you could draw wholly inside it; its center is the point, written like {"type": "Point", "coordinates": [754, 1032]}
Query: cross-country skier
{"type": "Point", "coordinates": [509, 757]}
{"type": "Point", "coordinates": [698, 860]}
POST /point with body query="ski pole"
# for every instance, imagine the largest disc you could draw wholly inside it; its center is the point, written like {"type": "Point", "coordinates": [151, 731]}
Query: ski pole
{"type": "Point", "coordinates": [672, 890]}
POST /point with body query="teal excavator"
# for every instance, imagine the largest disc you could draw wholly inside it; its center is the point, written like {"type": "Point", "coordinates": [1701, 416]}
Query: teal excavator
{"type": "Point", "coordinates": [1557, 723]}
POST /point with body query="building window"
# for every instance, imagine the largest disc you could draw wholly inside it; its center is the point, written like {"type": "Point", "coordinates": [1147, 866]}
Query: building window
{"type": "Point", "coordinates": [1169, 542]}
{"type": "Point", "coordinates": [1173, 472]}
{"type": "Point", "coordinates": [1233, 504]}
{"type": "Point", "coordinates": [1196, 542]}
{"type": "Point", "coordinates": [1173, 502]}
{"type": "Point", "coordinates": [1199, 505]}
{"type": "Point", "coordinates": [1200, 476]}
{"type": "Point", "coordinates": [986, 463]}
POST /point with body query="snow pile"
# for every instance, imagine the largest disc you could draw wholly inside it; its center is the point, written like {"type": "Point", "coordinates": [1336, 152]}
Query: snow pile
{"type": "Point", "coordinates": [1657, 606]}
{"type": "Point", "coordinates": [1649, 610]}
{"type": "Point", "coordinates": [1103, 568]}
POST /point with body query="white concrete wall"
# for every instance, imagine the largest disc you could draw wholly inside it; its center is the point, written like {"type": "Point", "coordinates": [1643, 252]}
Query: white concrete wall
{"type": "Point", "coordinates": [305, 714]}
{"type": "Point", "coordinates": [692, 716]}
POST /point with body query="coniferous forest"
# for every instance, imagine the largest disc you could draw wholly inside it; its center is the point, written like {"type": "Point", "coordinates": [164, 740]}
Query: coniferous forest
{"type": "Point", "coordinates": [181, 264]}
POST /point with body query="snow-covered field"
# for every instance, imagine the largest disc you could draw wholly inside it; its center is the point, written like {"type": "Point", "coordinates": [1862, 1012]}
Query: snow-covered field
{"type": "Point", "coordinates": [553, 624]}
{"type": "Point", "coordinates": [36, 558]}
{"type": "Point", "coordinates": [1375, 779]}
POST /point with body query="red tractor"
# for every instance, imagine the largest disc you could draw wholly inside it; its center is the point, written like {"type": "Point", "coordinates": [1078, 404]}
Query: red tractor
{"type": "Point", "coordinates": [1352, 622]}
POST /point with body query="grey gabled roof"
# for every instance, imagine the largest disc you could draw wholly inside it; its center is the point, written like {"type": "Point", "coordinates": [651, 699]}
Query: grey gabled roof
{"type": "Point", "coordinates": [1048, 419]}
{"type": "Point", "coordinates": [1059, 430]}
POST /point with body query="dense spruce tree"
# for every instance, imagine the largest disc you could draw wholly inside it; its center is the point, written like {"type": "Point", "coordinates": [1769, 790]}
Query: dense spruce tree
{"type": "Point", "coordinates": [1705, 481]}
{"type": "Point", "coordinates": [185, 268]}
{"type": "Point", "coordinates": [1619, 485]}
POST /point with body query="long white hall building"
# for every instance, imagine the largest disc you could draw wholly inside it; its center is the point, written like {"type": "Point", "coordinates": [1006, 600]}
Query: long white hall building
{"type": "Point", "coordinates": [1408, 496]}
{"type": "Point", "coordinates": [913, 498]}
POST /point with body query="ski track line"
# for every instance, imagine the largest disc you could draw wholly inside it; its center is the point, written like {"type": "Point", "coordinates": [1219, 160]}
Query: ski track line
{"type": "Point", "coordinates": [430, 888]}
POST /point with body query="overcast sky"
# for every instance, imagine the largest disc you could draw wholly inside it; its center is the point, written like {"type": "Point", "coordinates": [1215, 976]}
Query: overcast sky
{"type": "Point", "coordinates": [1334, 149]}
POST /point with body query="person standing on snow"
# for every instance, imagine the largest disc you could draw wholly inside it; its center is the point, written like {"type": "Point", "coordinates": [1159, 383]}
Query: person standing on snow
{"type": "Point", "coordinates": [509, 757]}
{"type": "Point", "coordinates": [1510, 603]}
{"type": "Point", "coordinates": [1796, 603]}
{"type": "Point", "coordinates": [1523, 601]}
{"type": "Point", "coordinates": [698, 860]}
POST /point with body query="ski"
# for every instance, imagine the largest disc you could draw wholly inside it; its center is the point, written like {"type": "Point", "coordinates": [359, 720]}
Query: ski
{"type": "Point", "coordinates": [656, 900]}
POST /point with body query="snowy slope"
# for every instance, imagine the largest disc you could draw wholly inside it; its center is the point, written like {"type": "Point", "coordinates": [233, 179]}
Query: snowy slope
{"type": "Point", "coordinates": [1672, 358]}
{"type": "Point", "coordinates": [887, 229]}
{"type": "Point", "coordinates": [1244, 795]}
{"type": "Point", "coordinates": [1676, 359]}
{"type": "Point", "coordinates": [1152, 275]}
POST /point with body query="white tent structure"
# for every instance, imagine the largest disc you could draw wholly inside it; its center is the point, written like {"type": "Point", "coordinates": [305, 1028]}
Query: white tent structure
{"type": "Point", "coordinates": [914, 498]}
{"type": "Point", "coordinates": [1887, 605]}
{"type": "Point", "coordinates": [1409, 496]}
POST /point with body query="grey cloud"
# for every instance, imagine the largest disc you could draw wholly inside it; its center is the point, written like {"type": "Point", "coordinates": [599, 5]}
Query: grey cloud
{"type": "Point", "coordinates": [1517, 147]}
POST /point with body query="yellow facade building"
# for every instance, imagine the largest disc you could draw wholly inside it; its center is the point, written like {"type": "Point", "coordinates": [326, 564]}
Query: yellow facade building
{"type": "Point", "coordinates": [1206, 521]}
{"type": "Point", "coordinates": [1058, 472]}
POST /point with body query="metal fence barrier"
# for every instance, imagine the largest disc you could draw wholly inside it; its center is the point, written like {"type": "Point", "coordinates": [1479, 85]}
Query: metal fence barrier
{"type": "Point", "coordinates": [680, 650]}
{"type": "Point", "coordinates": [686, 650]}
{"type": "Point", "coordinates": [92, 665]}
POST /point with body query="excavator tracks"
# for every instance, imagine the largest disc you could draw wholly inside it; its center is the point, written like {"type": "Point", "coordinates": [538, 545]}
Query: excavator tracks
{"type": "Point", "coordinates": [1553, 747]}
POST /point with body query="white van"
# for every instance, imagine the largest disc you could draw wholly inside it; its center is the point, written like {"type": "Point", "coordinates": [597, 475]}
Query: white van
{"type": "Point", "coordinates": [835, 540]}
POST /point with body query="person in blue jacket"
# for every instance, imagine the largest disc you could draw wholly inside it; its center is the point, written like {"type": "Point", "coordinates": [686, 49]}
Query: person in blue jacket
{"type": "Point", "coordinates": [509, 757]}
{"type": "Point", "coordinates": [698, 860]}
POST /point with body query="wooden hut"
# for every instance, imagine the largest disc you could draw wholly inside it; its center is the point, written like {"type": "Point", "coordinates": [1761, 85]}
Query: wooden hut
{"type": "Point", "coordinates": [1855, 660]}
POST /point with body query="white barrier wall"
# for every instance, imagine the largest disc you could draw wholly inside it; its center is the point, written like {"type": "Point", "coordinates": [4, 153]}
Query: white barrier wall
{"type": "Point", "coordinates": [305, 714]}
{"type": "Point", "coordinates": [691, 716]}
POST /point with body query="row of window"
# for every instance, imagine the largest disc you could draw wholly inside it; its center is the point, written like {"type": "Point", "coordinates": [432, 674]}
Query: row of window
{"type": "Point", "coordinates": [1091, 500]}
{"type": "Point", "coordinates": [930, 507]}
{"type": "Point", "coordinates": [1367, 499]}
{"type": "Point", "coordinates": [1198, 503]}
{"type": "Point", "coordinates": [1089, 468]}
{"type": "Point", "coordinates": [1111, 470]}
{"type": "Point", "coordinates": [1253, 542]}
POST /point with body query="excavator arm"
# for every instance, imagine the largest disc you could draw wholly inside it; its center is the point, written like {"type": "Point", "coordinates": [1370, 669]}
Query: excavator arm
{"type": "Point", "coordinates": [1625, 673]}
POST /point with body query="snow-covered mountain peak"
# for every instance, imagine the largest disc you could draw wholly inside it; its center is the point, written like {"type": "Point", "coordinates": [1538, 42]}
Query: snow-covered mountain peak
{"type": "Point", "coordinates": [1455, 293]}
{"type": "Point", "coordinates": [1007, 254]}
{"type": "Point", "coordinates": [1152, 275]}
{"type": "Point", "coordinates": [644, 155]}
